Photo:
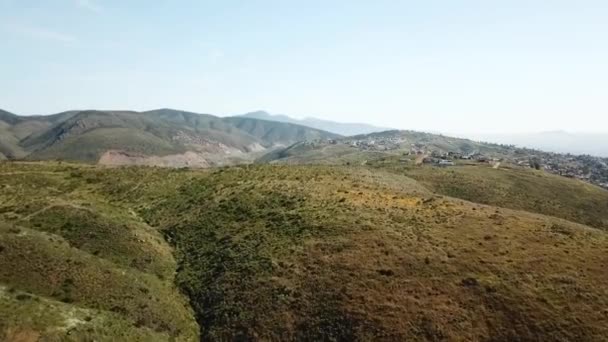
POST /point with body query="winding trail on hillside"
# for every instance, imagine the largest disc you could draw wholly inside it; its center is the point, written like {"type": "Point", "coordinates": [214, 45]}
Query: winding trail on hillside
{"type": "Point", "coordinates": [58, 203]}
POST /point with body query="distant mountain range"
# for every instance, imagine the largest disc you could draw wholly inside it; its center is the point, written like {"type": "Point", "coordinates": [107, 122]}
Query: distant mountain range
{"type": "Point", "coordinates": [159, 137]}
{"type": "Point", "coordinates": [345, 129]}
{"type": "Point", "coordinates": [595, 144]}
{"type": "Point", "coordinates": [175, 138]}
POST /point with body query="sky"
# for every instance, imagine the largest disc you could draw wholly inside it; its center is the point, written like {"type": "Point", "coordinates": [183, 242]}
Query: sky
{"type": "Point", "coordinates": [491, 66]}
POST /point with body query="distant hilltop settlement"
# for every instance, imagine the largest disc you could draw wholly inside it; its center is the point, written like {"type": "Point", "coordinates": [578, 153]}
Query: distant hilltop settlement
{"type": "Point", "coordinates": [586, 168]}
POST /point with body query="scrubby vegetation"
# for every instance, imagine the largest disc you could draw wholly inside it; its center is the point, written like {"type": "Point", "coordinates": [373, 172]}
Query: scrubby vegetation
{"type": "Point", "coordinates": [75, 265]}
{"type": "Point", "coordinates": [289, 253]}
{"type": "Point", "coordinates": [516, 188]}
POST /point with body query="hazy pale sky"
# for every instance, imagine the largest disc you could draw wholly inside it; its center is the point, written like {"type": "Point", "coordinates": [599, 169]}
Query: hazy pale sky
{"type": "Point", "coordinates": [452, 66]}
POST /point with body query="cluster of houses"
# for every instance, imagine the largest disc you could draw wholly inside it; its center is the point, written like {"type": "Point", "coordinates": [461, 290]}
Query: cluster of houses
{"type": "Point", "coordinates": [376, 144]}
{"type": "Point", "coordinates": [447, 158]}
{"type": "Point", "coordinates": [586, 168]}
{"type": "Point", "coordinates": [568, 171]}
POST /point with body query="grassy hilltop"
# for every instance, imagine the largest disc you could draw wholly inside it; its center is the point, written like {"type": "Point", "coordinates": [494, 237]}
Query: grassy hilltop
{"type": "Point", "coordinates": [295, 253]}
{"type": "Point", "coordinates": [513, 187]}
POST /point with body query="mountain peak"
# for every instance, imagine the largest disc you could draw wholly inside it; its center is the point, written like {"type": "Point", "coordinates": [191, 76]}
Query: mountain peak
{"type": "Point", "coordinates": [264, 115]}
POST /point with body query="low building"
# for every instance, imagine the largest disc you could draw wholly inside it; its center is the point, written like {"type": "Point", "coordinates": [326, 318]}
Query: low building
{"type": "Point", "coordinates": [455, 155]}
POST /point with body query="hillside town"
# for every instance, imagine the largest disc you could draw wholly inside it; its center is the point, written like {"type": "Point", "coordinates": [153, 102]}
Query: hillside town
{"type": "Point", "coordinates": [377, 143]}
{"type": "Point", "coordinates": [587, 168]}
{"type": "Point", "coordinates": [583, 167]}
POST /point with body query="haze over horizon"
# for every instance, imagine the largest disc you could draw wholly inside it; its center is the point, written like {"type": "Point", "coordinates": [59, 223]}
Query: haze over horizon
{"type": "Point", "coordinates": [267, 170]}
{"type": "Point", "coordinates": [442, 66]}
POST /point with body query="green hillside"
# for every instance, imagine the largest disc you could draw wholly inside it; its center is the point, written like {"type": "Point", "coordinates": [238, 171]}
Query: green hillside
{"type": "Point", "coordinates": [285, 133]}
{"type": "Point", "coordinates": [209, 126]}
{"type": "Point", "coordinates": [9, 146]}
{"type": "Point", "coordinates": [89, 146]}
{"type": "Point", "coordinates": [87, 135]}
{"type": "Point", "coordinates": [75, 265]}
{"type": "Point", "coordinates": [8, 118]}
{"type": "Point", "coordinates": [382, 145]}
{"type": "Point", "coordinates": [291, 253]}
{"type": "Point", "coordinates": [323, 154]}
{"type": "Point", "coordinates": [9, 143]}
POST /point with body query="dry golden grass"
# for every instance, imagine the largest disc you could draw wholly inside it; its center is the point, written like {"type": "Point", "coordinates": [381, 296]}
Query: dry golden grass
{"type": "Point", "coordinates": [320, 253]}
{"type": "Point", "coordinates": [517, 188]}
